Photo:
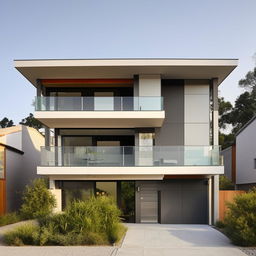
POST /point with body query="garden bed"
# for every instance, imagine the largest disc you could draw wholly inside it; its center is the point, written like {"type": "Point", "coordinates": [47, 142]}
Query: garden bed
{"type": "Point", "coordinates": [92, 222]}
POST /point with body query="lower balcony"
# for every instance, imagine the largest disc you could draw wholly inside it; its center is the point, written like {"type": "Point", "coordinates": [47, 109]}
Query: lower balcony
{"type": "Point", "coordinates": [152, 162]}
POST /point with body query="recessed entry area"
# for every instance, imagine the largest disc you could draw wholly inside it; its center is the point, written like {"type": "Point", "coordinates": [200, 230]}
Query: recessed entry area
{"type": "Point", "coordinates": [173, 201]}
{"type": "Point", "coordinates": [122, 192]}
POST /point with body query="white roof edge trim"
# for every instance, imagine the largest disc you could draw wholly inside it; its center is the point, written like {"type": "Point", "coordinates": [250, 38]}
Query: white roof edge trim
{"type": "Point", "coordinates": [125, 62]}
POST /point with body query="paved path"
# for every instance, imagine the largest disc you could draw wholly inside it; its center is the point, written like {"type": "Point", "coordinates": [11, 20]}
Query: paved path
{"type": "Point", "coordinates": [172, 240]}
{"type": "Point", "coordinates": [146, 240]}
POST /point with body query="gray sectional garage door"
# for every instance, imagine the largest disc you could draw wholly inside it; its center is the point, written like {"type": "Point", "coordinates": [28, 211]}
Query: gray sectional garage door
{"type": "Point", "coordinates": [180, 201]}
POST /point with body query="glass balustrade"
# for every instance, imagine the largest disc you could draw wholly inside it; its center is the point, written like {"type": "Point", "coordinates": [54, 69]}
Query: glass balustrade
{"type": "Point", "coordinates": [131, 156]}
{"type": "Point", "coordinates": [99, 103]}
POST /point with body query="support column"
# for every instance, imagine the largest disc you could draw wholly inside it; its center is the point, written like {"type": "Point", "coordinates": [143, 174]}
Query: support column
{"type": "Point", "coordinates": [210, 200]}
{"type": "Point", "coordinates": [51, 183]}
{"type": "Point", "coordinates": [215, 141]}
{"type": "Point", "coordinates": [215, 116]}
{"type": "Point", "coordinates": [47, 136]}
{"type": "Point", "coordinates": [136, 85]}
{"type": "Point", "coordinates": [38, 88]}
{"type": "Point", "coordinates": [57, 195]}
{"type": "Point", "coordinates": [215, 214]}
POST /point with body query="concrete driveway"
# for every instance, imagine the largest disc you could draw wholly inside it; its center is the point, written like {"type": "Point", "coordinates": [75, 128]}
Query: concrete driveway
{"type": "Point", "coordinates": [172, 240]}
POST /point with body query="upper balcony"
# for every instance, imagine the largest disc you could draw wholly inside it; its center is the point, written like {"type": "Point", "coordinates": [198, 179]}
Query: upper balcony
{"type": "Point", "coordinates": [100, 112]}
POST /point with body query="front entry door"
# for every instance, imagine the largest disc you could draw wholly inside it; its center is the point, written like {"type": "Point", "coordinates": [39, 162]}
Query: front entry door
{"type": "Point", "coordinates": [149, 206]}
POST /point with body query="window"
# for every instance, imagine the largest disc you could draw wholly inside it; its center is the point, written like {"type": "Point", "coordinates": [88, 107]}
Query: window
{"type": "Point", "coordinates": [254, 163]}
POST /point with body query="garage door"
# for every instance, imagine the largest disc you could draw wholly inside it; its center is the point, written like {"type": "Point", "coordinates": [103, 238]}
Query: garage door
{"type": "Point", "coordinates": [184, 201]}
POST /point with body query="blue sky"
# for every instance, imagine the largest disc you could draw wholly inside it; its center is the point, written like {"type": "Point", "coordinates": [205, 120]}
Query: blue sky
{"type": "Point", "coordinates": [34, 29]}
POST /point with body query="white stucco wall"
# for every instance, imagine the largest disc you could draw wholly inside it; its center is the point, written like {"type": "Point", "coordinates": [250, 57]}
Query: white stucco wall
{"type": "Point", "coordinates": [32, 140]}
{"type": "Point", "coordinates": [13, 140]}
{"type": "Point", "coordinates": [21, 169]}
{"type": "Point", "coordinates": [196, 112]}
{"type": "Point", "coordinates": [57, 195]}
{"type": "Point", "coordinates": [245, 155]}
{"type": "Point", "coordinates": [149, 85]}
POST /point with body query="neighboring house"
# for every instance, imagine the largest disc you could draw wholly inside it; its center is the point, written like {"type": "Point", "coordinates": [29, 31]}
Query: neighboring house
{"type": "Point", "coordinates": [240, 158]}
{"type": "Point", "coordinates": [144, 131]}
{"type": "Point", "coordinates": [229, 158]}
{"type": "Point", "coordinates": [19, 158]}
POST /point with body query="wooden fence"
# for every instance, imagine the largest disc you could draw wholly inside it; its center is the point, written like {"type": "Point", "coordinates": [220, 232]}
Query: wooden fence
{"type": "Point", "coordinates": [226, 196]}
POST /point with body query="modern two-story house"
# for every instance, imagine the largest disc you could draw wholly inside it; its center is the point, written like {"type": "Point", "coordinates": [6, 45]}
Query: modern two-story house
{"type": "Point", "coordinates": [144, 131]}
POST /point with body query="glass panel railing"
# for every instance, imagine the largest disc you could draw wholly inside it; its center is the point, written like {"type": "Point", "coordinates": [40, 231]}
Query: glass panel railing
{"type": "Point", "coordinates": [131, 156]}
{"type": "Point", "coordinates": [99, 103]}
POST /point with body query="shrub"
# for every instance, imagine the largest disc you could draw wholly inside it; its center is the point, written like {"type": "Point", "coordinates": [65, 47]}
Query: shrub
{"type": "Point", "coordinates": [92, 222]}
{"type": "Point", "coordinates": [225, 183]}
{"type": "Point", "coordinates": [220, 224]}
{"type": "Point", "coordinates": [27, 234]}
{"type": "Point", "coordinates": [240, 221]}
{"type": "Point", "coordinates": [9, 218]}
{"type": "Point", "coordinates": [38, 201]}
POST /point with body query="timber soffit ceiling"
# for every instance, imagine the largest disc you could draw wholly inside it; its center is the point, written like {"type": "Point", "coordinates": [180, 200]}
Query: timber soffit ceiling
{"type": "Point", "coordinates": [125, 68]}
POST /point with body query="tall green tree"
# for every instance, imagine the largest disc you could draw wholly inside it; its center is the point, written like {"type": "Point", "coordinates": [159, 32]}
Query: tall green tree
{"type": "Point", "coordinates": [225, 108]}
{"type": "Point", "coordinates": [249, 82]}
{"type": "Point", "coordinates": [5, 122]}
{"type": "Point", "coordinates": [244, 110]}
{"type": "Point", "coordinates": [31, 122]}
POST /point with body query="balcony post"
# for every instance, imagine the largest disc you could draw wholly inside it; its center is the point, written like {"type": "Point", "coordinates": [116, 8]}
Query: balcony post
{"type": "Point", "coordinates": [123, 155]}
{"type": "Point", "coordinates": [47, 136]}
{"type": "Point", "coordinates": [38, 88]}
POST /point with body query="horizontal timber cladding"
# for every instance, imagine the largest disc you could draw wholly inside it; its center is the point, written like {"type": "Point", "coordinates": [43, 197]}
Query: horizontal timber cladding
{"type": "Point", "coordinates": [181, 201]}
{"type": "Point", "coordinates": [87, 82]}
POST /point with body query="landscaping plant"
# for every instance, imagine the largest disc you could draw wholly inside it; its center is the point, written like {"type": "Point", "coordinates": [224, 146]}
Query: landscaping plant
{"type": "Point", "coordinates": [9, 218]}
{"type": "Point", "coordinates": [226, 183]}
{"type": "Point", "coordinates": [38, 201]}
{"type": "Point", "coordinates": [240, 221]}
{"type": "Point", "coordinates": [92, 222]}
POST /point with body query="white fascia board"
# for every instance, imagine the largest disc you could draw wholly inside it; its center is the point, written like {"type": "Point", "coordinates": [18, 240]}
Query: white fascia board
{"type": "Point", "coordinates": [125, 62]}
{"type": "Point", "coordinates": [117, 170]}
{"type": "Point", "coordinates": [100, 114]}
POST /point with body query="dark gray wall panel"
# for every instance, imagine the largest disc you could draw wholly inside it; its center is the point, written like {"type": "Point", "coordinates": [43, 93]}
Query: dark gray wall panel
{"type": "Point", "coordinates": [172, 131]}
{"type": "Point", "coordinates": [170, 198]}
{"type": "Point", "coordinates": [183, 201]}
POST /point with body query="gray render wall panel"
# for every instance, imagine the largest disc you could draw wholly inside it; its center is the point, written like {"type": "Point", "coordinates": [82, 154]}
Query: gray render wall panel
{"type": "Point", "coordinates": [172, 131]}
{"type": "Point", "coordinates": [14, 173]}
{"type": "Point", "coordinates": [227, 155]}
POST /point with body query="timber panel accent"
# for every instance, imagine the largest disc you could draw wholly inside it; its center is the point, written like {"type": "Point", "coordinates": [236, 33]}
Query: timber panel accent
{"type": "Point", "coordinates": [224, 197]}
{"type": "Point", "coordinates": [2, 197]}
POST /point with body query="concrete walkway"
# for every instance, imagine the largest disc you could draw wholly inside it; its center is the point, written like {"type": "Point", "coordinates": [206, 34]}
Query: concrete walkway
{"type": "Point", "coordinates": [172, 240]}
{"type": "Point", "coordinates": [143, 239]}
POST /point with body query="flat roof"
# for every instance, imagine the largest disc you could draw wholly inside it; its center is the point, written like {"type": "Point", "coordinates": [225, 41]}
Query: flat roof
{"type": "Point", "coordinates": [125, 68]}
